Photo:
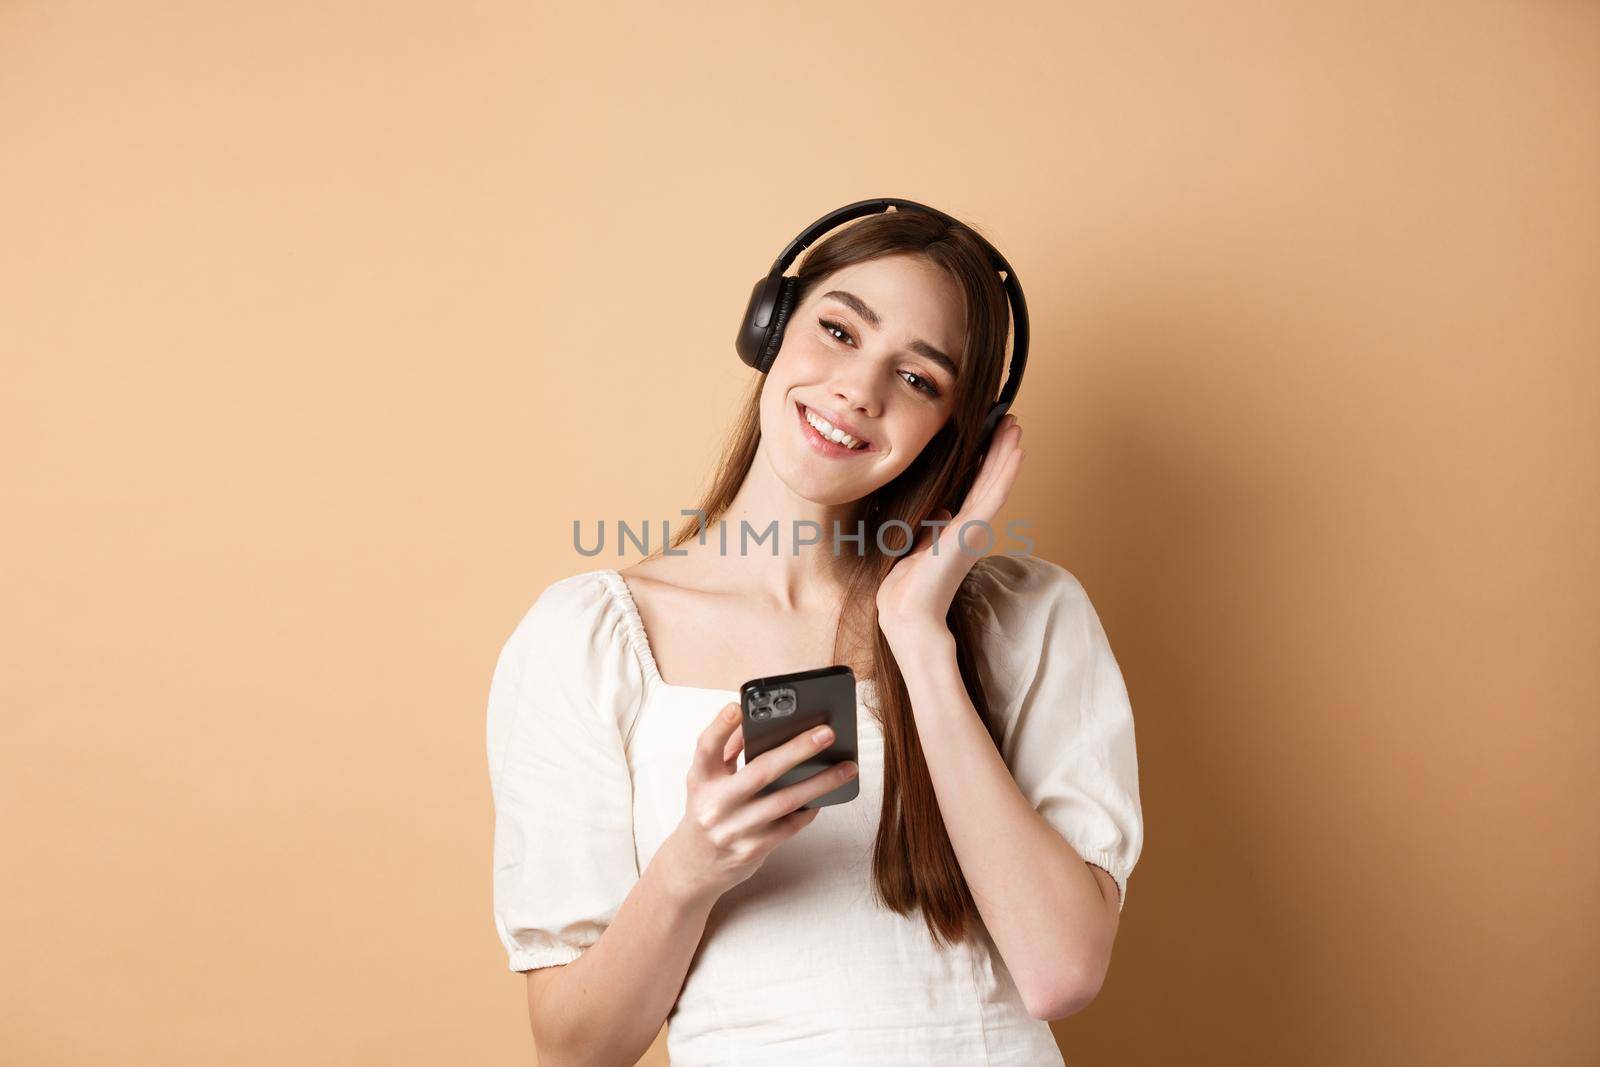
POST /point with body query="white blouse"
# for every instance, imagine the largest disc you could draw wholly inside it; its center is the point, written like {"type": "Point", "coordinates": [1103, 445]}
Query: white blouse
{"type": "Point", "coordinates": [589, 753]}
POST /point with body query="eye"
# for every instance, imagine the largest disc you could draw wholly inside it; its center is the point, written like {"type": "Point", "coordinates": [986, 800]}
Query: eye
{"type": "Point", "coordinates": [924, 384]}
{"type": "Point", "coordinates": [830, 326]}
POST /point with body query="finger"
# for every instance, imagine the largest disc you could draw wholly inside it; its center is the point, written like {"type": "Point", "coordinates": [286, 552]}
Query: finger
{"type": "Point", "coordinates": [1004, 440]}
{"type": "Point", "coordinates": [782, 829]}
{"type": "Point", "coordinates": [996, 457]}
{"type": "Point", "coordinates": [993, 485]}
{"type": "Point", "coordinates": [1008, 478]}
{"type": "Point", "coordinates": [977, 493]}
{"type": "Point", "coordinates": [776, 805]}
{"type": "Point", "coordinates": [735, 744]}
{"type": "Point", "coordinates": [708, 760]}
{"type": "Point", "coordinates": [768, 767]}
{"type": "Point", "coordinates": [998, 486]}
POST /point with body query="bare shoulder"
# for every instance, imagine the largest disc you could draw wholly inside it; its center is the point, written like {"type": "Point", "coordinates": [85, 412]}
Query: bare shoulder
{"type": "Point", "coordinates": [669, 575]}
{"type": "Point", "coordinates": [653, 579]}
{"type": "Point", "coordinates": [654, 570]}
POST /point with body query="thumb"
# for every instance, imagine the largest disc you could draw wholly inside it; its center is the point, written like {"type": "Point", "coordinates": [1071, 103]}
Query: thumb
{"type": "Point", "coordinates": [711, 752]}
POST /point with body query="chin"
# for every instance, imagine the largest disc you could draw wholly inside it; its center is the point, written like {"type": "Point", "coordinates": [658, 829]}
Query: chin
{"type": "Point", "coordinates": [809, 484]}
{"type": "Point", "coordinates": [825, 495]}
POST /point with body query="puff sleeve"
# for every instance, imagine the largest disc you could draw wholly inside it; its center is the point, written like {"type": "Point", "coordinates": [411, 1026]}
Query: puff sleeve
{"type": "Point", "coordinates": [563, 695]}
{"type": "Point", "coordinates": [1067, 727]}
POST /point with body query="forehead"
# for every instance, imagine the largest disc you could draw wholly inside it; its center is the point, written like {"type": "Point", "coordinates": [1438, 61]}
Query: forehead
{"type": "Point", "coordinates": [913, 298]}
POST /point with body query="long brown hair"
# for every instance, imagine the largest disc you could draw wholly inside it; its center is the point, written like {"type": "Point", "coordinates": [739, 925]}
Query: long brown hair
{"type": "Point", "coordinates": [913, 862]}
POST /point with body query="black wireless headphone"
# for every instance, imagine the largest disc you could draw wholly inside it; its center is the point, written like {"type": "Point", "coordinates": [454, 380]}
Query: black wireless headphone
{"type": "Point", "coordinates": [772, 299]}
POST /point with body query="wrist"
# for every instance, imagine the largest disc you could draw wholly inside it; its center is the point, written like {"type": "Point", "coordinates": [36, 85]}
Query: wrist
{"type": "Point", "coordinates": [678, 878]}
{"type": "Point", "coordinates": [917, 637]}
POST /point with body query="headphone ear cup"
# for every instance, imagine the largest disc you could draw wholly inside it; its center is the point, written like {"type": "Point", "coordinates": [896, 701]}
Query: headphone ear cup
{"type": "Point", "coordinates": [780, 319]}
{"type": "Point", "coordinates": [757, 321]}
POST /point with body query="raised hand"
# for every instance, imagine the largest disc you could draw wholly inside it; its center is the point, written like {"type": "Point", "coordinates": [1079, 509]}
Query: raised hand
{"type": "Point", "coordinates": [918, 590]}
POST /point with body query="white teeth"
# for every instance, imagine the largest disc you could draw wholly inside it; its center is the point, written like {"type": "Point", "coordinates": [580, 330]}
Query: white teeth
{"type": "Point", "coordinates": [832, 433]}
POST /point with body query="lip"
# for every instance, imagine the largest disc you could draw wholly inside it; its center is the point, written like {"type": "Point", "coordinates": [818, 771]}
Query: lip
{"type": "Point", "coordinates": [839, 423]}
{"type": "Point", "coordinates": [822, 444]}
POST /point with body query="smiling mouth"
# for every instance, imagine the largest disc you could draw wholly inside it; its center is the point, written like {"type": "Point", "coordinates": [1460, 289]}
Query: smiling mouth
{"type": "Point", "coordinates": [823, 435]}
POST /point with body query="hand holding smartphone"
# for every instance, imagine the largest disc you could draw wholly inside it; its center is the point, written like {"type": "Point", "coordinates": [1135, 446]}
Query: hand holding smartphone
{"type": "Point", "coordinates": [785, 706]}
{"type": "Point", "coordinates": [735, 817]}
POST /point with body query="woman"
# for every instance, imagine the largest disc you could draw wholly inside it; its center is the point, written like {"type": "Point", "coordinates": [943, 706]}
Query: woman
{"type": "Point", "coordinates": [972, 890]}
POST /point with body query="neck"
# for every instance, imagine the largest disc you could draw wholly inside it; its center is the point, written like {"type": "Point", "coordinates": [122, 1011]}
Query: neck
{"type": "Point", "coordinates": [799, 576]}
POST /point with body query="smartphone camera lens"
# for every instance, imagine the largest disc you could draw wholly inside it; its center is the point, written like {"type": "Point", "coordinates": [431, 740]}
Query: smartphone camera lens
{"type": "Point", "coordinates": [783, 703]}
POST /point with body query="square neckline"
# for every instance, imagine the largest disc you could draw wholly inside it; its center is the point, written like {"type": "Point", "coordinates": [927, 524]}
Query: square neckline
{"type": "Point", "coordinates": [617, 586]}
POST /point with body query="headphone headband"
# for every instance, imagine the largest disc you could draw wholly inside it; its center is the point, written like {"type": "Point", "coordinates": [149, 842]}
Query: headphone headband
{"type": "Point", "coordinates": [772, 299]}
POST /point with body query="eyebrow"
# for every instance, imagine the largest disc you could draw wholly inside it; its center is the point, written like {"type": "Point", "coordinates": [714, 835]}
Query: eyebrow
{"type": "Point", "coordinates": [919, 346]}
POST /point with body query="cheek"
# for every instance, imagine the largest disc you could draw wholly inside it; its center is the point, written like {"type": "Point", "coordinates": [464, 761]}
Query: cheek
{"type": "Point", "coordinates": [909, 435]}
{"type": "Point", "coordinates": [915, 426]}
{"type": "Point", "coordinates": [805, 355]}
{"type": "Point", "coordinates": [801, 362]}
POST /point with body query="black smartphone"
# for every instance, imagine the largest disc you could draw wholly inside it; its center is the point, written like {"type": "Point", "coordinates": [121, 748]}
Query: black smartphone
{"type": "Point", "coordinates": [787, 705]}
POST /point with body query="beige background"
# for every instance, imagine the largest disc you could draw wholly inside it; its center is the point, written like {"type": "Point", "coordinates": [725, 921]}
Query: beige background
{"type": "Point", "coordinates": [322, 322]}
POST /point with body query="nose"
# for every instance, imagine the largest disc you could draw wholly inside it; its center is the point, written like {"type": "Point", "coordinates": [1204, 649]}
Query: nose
{"type": "Point", "coordinates": [859, 389]}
